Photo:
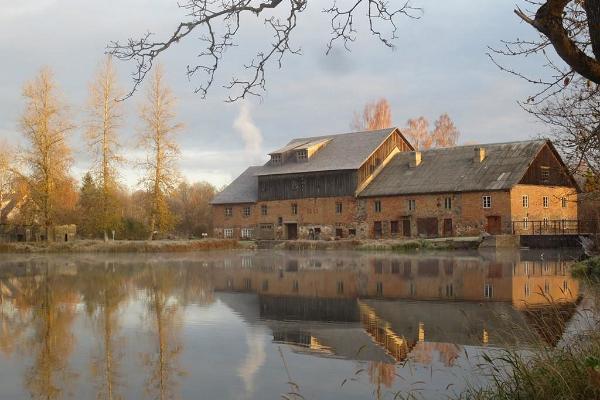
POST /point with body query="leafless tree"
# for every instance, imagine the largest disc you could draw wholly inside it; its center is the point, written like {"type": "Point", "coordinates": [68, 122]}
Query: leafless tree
{"type": "Point", "coordinates": [445, 133]}
{"type": "Point", "coordinates": [417, 133]}
{"type": "Point", "coordinates": [158, 139]}
{"type": "Point", "coordinates": [375, 115]}
{"type": "Point", "coordinates": [105, 115]}
{"type": "Point", "coordinates": [45, 126]}
{"type": "Point", "coordinates": [6, 176]}
{"type": "Point", "coordinates": [568, 94]}
{"type": "Point", "coordinates": [218, 23]}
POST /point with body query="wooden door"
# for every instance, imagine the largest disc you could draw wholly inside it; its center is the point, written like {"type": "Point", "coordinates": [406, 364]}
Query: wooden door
{"type": "Point", "coordinates": [427, 227]}
{"type": "Point", "coordinates": [292, 231]}
{"type": "Point", "coordinates": [406, 227]}
{"type": "Point", "coordinates": [494, 225]}
{"type": "Point", "coordinates": [447, 227]}
{"type": "Point", "coordinates": [377, 228]}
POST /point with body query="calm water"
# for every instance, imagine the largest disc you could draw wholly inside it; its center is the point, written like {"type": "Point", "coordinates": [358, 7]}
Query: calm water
{"type": "Point", "coordinates": [244, 325]}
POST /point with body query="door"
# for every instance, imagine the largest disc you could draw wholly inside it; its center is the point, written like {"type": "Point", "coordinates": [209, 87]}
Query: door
{"type": "Point", "coordinates": [266, 232]}
{"type": "Point", "coordinates": [406, 227]}
{"type": "Point", "coordinates": [292, 231]}
{"type": "Point", "coordinates": [427, 227]}
{"type": "Point", "coordinates": [447, 227]}
{"type": "Point", "coordinates": [494, 225]}
{"type": "Point", "coordinates": [377, 229]}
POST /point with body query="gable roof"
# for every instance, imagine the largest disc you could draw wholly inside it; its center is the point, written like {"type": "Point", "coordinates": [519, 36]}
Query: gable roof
{"type": "Point", "coordinates": [244, 189]}
{"type": "Point", "coordinates": [342, 152]}
{"type": "Point", "coordinates": [453, 170]}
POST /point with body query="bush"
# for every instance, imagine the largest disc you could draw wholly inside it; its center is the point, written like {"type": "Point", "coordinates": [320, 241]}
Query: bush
{"type": "Point", "coordinates": [588, 269]}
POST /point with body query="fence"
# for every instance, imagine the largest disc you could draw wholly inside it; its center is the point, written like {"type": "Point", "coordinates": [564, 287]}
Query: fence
{"type": "Point", "coordinates": [554, 227]}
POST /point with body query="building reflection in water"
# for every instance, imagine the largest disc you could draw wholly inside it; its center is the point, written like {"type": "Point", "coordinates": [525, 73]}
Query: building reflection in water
{"type": "Point", "coordinates": [381, 309]}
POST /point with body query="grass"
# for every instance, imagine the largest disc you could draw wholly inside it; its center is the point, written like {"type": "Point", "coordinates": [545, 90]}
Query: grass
{"type": "Point", "coordinates": [588, 269]}
{"type": "Point", "coordinates": [124, 246]}
{"type": "Point", "coordinates": [397, 245]}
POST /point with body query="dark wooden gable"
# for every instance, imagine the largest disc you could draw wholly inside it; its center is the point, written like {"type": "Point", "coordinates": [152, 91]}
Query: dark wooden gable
{"type": "Point", "coordinates": [548, 169]}
{"type": "Point", "coordinates": [309, 184]}
{"type": "Point", "coordinates": [395, 140]}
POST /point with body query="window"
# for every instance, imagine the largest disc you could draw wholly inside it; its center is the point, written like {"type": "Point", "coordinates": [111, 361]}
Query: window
{"type": "Point", "coordinates": [247, 284]}
{"type": "Point", "coordinates": [338, 208]}
{"type": "Point", "coordinates": [276, 158]}
{"type": "Point", "coordinates": [525, 222]}
{"type": "Point", "coordinates": [246, 211]}
{"type": "Point", "coordinates": [228, 232]}
{"type": "Point", "coordinates": [394, 227]}
{"type": "Point", "coordinates": [339, 232]}
{"type": "Point", "coordinates": [526, 264]}
{"type": "Point", "coordinates": [351, 232]}
{"type": "Point", "coordinates": [545, 222]}
{"type": "Point", "coordinates": [279, 221]}
{"type": "Point", "coordinates": [294, 208]}
{"type": "Point", "coordinates": [295, 286]}
{"type": "Point", "coordinates": [265, 285]}
{"type": "Point", "coordinates": [449, 290]}
{"type": "Point", "coordinates": [527, 290]}
{"type": "Point", "coordinates": [377, 205]}
{"type": "Point", "coordinates": [340, 287]}
{"type": "Point", "coordinates": [412, 205]}
{"type": "Point", "coordinates": [228, 211]}
{"type": "Point", "coordinates": [302, 154]}
{"type": "Point", "coordinates": [379, 288]}
{"type": "Point", "coordinates": [487, 201]}
{"type": "Point", "coordinates": [247, 233]}
{"type": "Point", "coordinates": [525, 201]}
{"type": "Point", "coordinates": [488, 291]}
{"type": "Point", "coordinates": [545, 174]}
{"type": "Point", "coordinates": [563, 201]}
{"type": "Point", "coordinates": [448, 203]}
{"type": "Point", "coordinates": [263, 209]}
{"type": "Point", "coordinates": [545, 201]}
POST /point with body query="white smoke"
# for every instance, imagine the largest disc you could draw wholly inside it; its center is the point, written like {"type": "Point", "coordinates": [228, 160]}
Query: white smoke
{"type": "Point", "coordinates": [250, 133]}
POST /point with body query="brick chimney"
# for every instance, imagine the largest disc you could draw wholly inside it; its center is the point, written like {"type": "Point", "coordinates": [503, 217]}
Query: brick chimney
{"type": "Point", "coordinates": [415, 159]}
{"type": "Point", "coordinates": [479, 154]}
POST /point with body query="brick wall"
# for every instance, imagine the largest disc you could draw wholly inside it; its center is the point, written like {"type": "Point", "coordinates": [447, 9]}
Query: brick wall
{"type": "Point", "coordinates": [237, 221]}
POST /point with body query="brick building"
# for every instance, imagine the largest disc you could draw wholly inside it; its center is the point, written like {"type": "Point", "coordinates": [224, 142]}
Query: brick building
{"type": "Point", "coordinates": [374, 185]}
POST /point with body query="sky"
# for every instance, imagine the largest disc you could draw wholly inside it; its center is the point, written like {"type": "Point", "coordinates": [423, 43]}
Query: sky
{"type": "Point", "coordinates": [439, 64]}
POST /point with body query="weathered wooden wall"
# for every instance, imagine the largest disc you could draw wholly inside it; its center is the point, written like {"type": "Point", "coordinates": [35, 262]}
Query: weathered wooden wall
{"type": "Point", "coordinates": [313, 184]}
{"type": "Point", "coordinates": [558, 176]}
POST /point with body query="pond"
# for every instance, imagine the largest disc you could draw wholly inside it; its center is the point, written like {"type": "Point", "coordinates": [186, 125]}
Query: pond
{"type": "Point", "coordinates": [271, 325]}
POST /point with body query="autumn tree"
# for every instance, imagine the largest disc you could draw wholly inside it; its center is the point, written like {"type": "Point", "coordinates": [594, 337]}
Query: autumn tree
{"type": "Point", "coordinates": [190, 204]}
{"type": "Point", "coordinates": [6, 177]}
{"type": "Point", "coordinates": [375, 115]}
{"type": "Point", "coordinates": [102, 135]}
{"type": "Point", "coordinates": [45, 126]}
{"type": "Point", "coordinates": [158, 138]}
{"type": "Point", "coordinates": [444, 134]}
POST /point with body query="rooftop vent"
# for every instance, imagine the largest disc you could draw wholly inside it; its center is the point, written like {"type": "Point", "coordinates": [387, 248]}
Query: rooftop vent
{"type": "Point", "coordinates": [415, 159]}
{"type": "Point", "coordinates": [479, 154]}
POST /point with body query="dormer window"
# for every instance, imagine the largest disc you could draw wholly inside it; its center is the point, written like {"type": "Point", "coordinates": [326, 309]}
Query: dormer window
{"type": "Point", "coordinates": [302, 154]}
{"type": "Point", "coordinates": [545, 174]}
{"type": "Point", "coordinates": [276, 159]}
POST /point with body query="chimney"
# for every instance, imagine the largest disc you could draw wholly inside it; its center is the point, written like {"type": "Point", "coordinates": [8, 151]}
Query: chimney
{"type": "Point", "coordinates": [479, 154]}
{"type": "Point", "coordinates": [415, 159]}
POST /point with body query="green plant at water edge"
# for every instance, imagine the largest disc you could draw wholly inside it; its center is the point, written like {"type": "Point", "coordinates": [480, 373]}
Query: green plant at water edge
{"type": "Point", "coordinates": [588, 269]}
{"type": "Point", "coordinates": [569, 373]}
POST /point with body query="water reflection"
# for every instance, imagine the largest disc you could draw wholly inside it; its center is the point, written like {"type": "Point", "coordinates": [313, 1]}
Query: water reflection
{"type": "Point", "coordinates": [163, 327]}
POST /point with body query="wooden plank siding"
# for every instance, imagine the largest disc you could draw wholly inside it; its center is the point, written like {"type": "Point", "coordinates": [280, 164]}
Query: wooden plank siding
{"type": "Point", "coordinates": [369, 166]}
{"type": "Point", "coordinates": [557, 173]}
{"type": "Point", "coordinates": [313, 184]}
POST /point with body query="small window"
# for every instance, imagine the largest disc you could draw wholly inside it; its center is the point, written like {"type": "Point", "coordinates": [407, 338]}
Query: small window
{"type": "Point", "coordinates": [265, 285]}
{"type": "Point", "coordinates": [276, 158]}
{"type": "Point", "coordinates": [545, 174]}
{"type": "Point", "coordinates": [263, 209]}
{"type": "Point", "coordinates": [563, 201]}
{"type": "Point", "coordinates": [525, 222]}
{"type": "Point", "coordinates": [295, 286]}
{"type": "Point", "coordinates": [294, 209]}
{"type": "Point", "coordinates": [352, 232]}
{"type": "Point", "coordinates": [228, 232]}
{"type": "Point", "coordinates": [379, 288]}
{"type": "Point", "coordinates": [247, 284]}
{"type": "Point", "coordinates": [246, 211]}
{"type": "Point", "coordinates": [394, 227]}
{"type": "Point", "coordinates": [488, 291]}
{"type": "Point", "coordinates": [545, 200]}
{"type": "Point", "coordinates": [338, 208]}
{"type": "Point", "coordinates": [228, 211]}
{"type": "Point", "coordinates": [279, 221]}
{"type": "Point", "coordinates": [247, 233]}
{"type": "Point", "coordinates": [340, 287]}
{"type": "Point", "coordinates": [525, 201]}
{"type": "Point", "coordinates": [377, 205]}
{"type": "Point", "coordinates": [487, 201]}
{"type": "Point", "coordinates": [412, 205]}
{"type": "Point", "coordinates": [448, 203]}
{"type": "Point", "coordinates": [545, 222]}
{"type": "Point", "coordinates": [302, 155]}
{"type": "Point", "coordinates": [449, 290]}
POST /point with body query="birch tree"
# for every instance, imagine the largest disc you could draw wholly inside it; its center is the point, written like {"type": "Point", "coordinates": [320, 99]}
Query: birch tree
{"type": "Point", "coordinates": [158, 139]}
{"type": "Point", "coordinates": [376, 115]}
{"type": "Point", "coordinates": [45, 127]}
{"type": "Point", "coordinates": [445, 133]}
{"type": "Point", "coordinates": [103, 140]}
{"type": "Point", "coordinates": [6, 177]}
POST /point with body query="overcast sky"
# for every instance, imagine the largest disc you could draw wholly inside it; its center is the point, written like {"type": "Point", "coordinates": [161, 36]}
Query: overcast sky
{"type": "Point", "coordinates": [439, 65]}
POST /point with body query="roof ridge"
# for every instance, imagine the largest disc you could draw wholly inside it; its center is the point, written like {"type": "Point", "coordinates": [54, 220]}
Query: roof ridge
{"type": "Point", "coordinates": [484, 144]}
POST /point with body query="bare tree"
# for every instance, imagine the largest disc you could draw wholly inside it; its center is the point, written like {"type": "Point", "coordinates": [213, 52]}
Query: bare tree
{"type": "Point", "coordinates": [105, 115]}
{"type": "Point", "coordinates": [158, 139]}
{"type": "Point", "coordinates": [567, 98]}
{"type": "Point", "coordinates": [445, 133]}
{"type": "Point", "coordinates": [417, 133]}
{"type": "Point", "coordinates": [48, 158]}
{"type": "Point", "coordinates": [218, 23]}
{"type": "Point", "coordinates": [6, 176]}
{"type": "Point", "coordinates": [375, 115]}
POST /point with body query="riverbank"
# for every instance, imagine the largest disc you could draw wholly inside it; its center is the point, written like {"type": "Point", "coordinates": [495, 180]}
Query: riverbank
{"type": "Point", "coordinates": [125, 246]}
{"type": "Point", "coordinates": [455, 243]}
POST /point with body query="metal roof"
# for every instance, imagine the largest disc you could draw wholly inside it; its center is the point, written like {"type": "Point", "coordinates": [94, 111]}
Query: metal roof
{"type": "Point", "coordinates": [344, 151]}
{"type": "Point", "coordinates": [244, 189]}
{"type": "Point", "coordinates": [453, 169]}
